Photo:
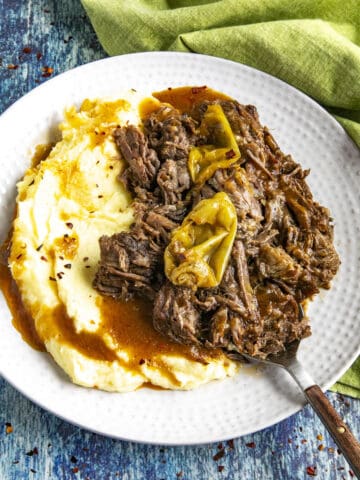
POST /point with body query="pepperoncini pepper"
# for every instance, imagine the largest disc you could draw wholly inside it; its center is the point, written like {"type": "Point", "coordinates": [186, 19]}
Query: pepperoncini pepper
{"type": "Point", "coordinates": [222, 153]}
{"type": "Point", "coordinates": [200, 248]}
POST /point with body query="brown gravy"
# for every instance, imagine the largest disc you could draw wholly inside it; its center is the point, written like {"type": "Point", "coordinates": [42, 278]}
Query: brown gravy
{"type": "Point", "coordinates": [184, 98]}
{"type": "Point", "coordinates": [128, 323]}
{"type": "Point", "coordinates": [22, 321]}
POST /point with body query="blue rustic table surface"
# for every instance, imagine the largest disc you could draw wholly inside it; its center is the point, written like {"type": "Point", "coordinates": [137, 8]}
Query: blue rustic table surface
{"type": "Point", "coordinates": [35, 444]}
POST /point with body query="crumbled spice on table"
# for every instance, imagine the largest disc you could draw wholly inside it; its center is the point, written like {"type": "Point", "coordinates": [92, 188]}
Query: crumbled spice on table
{"type": "Point", "coordinates": [230, 444]}
{"type": "Point", "coordinates": [311, 471]}
{"type": "Point", "coordinates": [251, 444]}
{"type": "Point", "coordinates": [218, 455]}
{"type": "Point", "coordinates": [47, 71]}
{"type": "Point", "coordinates": [8, 428]}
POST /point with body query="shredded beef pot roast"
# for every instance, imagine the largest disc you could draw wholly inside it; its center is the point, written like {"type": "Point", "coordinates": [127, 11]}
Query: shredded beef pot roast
{"type": "Point", "coordinates": [283, 251]}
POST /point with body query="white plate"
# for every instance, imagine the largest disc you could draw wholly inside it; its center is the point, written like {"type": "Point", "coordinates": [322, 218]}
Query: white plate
{"type": "Point", "coordinates": [248, 402]}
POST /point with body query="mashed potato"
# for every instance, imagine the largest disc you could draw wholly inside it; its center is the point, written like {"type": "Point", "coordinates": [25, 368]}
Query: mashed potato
{"type": "Point", "coordinates": [64, 205]}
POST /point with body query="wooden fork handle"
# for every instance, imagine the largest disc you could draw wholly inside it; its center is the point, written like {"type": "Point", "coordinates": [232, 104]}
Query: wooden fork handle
{"type": "Point", "coordinates": [340, 432]}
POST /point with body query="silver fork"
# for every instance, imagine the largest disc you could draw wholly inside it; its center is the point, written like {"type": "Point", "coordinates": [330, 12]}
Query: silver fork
{"type": "Point", "coordinates": [340, 432]}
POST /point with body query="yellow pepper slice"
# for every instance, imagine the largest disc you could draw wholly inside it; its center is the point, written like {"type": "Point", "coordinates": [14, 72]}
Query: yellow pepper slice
{"type": "Point", "coordinates": [205, 160]}
{"type": "Point", "coordinates": [199, 250]}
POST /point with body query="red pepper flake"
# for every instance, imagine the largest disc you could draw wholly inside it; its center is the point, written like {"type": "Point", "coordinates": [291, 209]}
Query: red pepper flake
{"type": "Point", "coordinates": [35, 451]}
{"type": "Point", "coordinates": [351, 473]}
{"type": "Point", "coordinates": [220, 446]}
{"type": "Point", "coordinates": [230, 444]}
{"type": "Point", "coordinates": [311, 471]}
{"type": "Point", "coordinates": [179, 474]}
{"type": "Point", "coordinates": [30, 453]}
{"type": "Point", "coordinates": [111, 167]}
{"type": "Point", "coordinates": [9, 428]}
{"type": "Point", "coordinates": [230, 154]}
{"type": "Point", "coordinates": [303, 441]}
{"type": "Point", "coordinates": [11, 66]}
{"type": "Point", "coordinates": [27, 50]}
{"type": "Point", "coordinates": [321, 447]}
{"type": "Point", "coordinates": [44, 259]}
{"type": "Point", "coordinates": [46, 10]}
{"type": "Point", "coordinates": [341, 468]}
{"type": "Point", "coordinates": [39, 247]}
{"type": "Point", "coordinates": [19, 256]}
{"type": "Point", "coordinates": [73, 459]}
{"type": "Point", "coordinates": [75, 470]}
{"type": "Point", "coordinates": [47, 71]}
{"type": "Point", "coordinates": [251, 444]}
{"type": "Point", "coordinates": [196, 90]}
{"type": "Point", "coordinates": [339, 451]}
{"type": "Point", "coordinates": [67, 265]}
{"type": "Point", "coordinates": [100, 196]}
{"type": "Point", "coordinates": [52, 279]}
{"type": "Point", "coordinates": [39, 55]}
{"type": "Point", "coordinates": [60, 275]}
{"type": "Point", "coordinates": [218, 455]}
{"type": "Point", "coordinates": [220, 468]}
{"type": "Point", "coordinates": [141, 361]}
{"type": "Point", "coordinates": [289, 440]}
{"type": "Point", "coordinates": [87, 266]}
{"type": "Point", "coordinates": [69, 225]}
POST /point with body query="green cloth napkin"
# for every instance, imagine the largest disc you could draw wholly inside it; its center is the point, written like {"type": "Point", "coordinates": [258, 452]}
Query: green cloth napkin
{"type": "Point", "coordinates": [312, 45]}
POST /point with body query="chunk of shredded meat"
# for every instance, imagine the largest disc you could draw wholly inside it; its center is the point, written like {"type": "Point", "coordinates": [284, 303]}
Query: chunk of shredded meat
{"type": "Point", "coordinates": [282, 255]}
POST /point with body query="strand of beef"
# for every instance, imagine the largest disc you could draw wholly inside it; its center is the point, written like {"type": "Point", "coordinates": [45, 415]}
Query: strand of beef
{"type": "Point", "coordinates": [283, 251]}
{"type": "Point", "coordinates": [157, 176]}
